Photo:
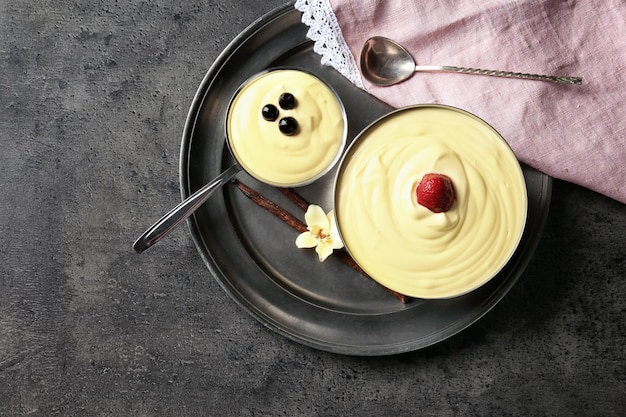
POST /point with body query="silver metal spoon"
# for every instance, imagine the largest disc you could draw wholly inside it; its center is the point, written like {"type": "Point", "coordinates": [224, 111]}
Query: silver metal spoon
{"type": "Point", "coordinates": [385, 62]}
{"type": "Point", "coordinates": [183, 210]}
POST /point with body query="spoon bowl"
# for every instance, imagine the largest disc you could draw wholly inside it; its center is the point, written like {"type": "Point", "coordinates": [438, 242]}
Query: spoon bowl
{"type": "Point", "coordinates": [384, 62]}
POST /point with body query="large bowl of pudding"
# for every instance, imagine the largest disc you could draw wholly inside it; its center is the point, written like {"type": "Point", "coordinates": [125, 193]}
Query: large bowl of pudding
{"type": "Point", "coordinates": [286, 127]}
{"type": "Point", "coordinates": [384, 217]}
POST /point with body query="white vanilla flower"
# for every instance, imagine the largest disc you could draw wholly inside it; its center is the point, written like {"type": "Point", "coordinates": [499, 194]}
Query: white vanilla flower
{"type": "Point", "coordinates": [322, 232]}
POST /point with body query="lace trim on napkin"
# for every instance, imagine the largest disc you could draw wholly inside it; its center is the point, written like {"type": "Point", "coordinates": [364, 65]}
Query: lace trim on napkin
{"type": "Point", "coordinates": [327, 38]}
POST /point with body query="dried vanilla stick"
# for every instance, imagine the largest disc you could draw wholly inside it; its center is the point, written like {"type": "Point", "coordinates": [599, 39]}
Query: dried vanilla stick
{"type": "Point", "coordinates": [295, 198]}
{"type": "Point", "coordinates": [272, 207]}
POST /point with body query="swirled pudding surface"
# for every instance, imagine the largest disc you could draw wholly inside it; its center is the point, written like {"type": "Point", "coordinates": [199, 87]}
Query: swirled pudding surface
{"type": "Point", "coordinates": [315, 128]}
{"type": "Point", "coordinates": [407, 247]}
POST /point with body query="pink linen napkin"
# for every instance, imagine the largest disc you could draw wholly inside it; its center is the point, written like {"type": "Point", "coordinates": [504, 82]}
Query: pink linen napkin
{"type": "Point", "coordinates": [574, 133]}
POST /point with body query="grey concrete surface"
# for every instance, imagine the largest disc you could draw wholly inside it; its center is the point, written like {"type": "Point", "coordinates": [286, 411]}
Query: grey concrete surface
{"type": "Point", "coordinates": [93, 98]}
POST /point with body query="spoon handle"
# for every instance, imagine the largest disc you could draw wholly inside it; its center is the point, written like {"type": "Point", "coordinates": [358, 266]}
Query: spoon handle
{"type": "Point", "coordinates": [183, 210]}
{"type": "Point", "coordinates": [505, 74]}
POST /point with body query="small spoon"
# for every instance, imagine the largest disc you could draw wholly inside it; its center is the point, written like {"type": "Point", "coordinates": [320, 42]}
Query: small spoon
{"type": "Point", "coordinates": [385, 62]}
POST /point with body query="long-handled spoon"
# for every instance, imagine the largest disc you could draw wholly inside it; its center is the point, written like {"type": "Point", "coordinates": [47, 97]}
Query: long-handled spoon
{"type": "Point", "coordinates": [183, 210]}
{"type": "Point", "coordinates": [385, 62]}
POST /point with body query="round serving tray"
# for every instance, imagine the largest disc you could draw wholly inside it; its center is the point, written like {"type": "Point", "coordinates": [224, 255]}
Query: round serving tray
{"type": "Point", "coordinates": [252, 253]}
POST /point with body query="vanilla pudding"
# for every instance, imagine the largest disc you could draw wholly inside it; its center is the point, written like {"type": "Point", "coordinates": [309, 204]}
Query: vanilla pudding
{"type": "Point", "coordinates": [286, 127]}
{"type": "Point", "coordinates": [402, 244]}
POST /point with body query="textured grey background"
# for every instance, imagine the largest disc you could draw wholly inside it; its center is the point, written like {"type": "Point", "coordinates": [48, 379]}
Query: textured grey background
{"type": "Point", "coordinates": [93, 97]}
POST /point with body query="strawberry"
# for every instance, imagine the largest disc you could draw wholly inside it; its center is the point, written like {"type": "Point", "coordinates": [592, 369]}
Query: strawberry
{"type": "Point", "coordinates": [436, 192]}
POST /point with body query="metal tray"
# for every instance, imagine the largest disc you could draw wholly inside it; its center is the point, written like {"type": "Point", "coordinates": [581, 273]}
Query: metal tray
{"type": "Point", "coordinates": [252, 254]}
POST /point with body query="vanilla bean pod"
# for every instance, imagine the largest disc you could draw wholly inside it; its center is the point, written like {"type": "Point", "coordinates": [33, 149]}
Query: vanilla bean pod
{"type": "Point", "coordinates": [300, 226]}
{"type": "Point", "coordinates": [295, 198]}
{"type": "Point", "coordinates": [272, 207]}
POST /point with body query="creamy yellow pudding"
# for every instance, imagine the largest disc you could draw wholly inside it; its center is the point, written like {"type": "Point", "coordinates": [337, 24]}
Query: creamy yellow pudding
{"type": "Point", "coordinates": [286, 127]}
{"type": "Point", "coordinates": [407, 247]}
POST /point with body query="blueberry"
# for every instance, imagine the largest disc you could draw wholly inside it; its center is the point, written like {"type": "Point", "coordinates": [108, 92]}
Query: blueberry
{"type": "Point", "coordinates": [287, 101]}
{"type": "Point", "coordinates": [288, 126]}
{"type": "Point", "coordinates": [270, 112]}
